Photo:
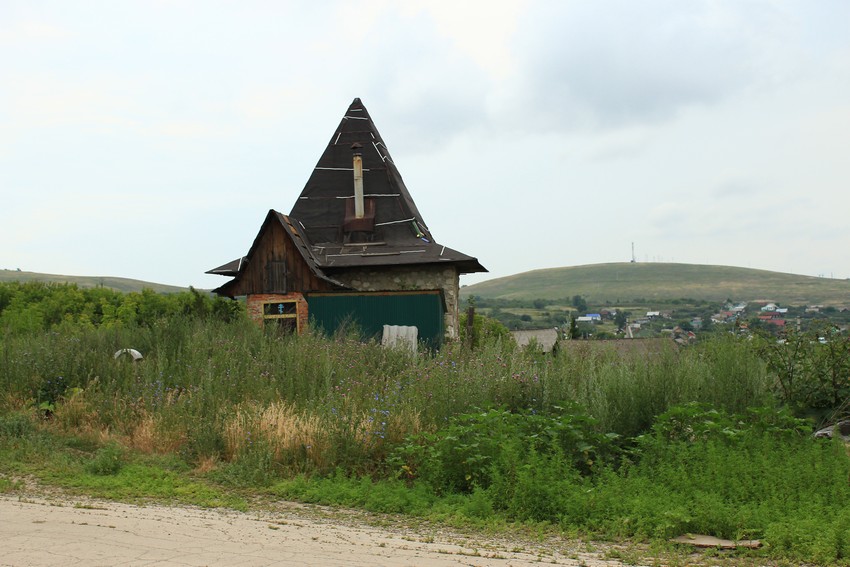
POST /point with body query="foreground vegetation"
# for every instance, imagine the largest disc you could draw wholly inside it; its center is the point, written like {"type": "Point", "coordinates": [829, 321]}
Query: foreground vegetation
{"type": "Point", "coordinates": [705, 440]}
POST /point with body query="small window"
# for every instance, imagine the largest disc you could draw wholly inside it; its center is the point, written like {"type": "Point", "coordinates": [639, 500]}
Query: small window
{"type": "Point", "coordinates": [280, 308]}
{"type": "Point", "coordinates": [282, 314]}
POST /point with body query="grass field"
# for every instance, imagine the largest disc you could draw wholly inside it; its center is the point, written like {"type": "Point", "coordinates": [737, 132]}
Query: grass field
{"type": "Point", "coordinates": [642, 449]}
{"type": "Point", "coordinates": [619, 283]}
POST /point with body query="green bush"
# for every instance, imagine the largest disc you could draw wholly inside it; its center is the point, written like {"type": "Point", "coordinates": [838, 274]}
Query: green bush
{"type": "Point", "coordinates": [473, 447]}
{"type": "Point", "coordinates": [16, 426]}
{"type": "Point", "coordinates": [733, 476]}
{"type": "Point", "coordinates": [107, 461]}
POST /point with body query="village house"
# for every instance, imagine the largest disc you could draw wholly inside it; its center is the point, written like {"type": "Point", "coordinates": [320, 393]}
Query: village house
{"type": "Point", "coordinates": [772, 319]}
{"type": "Point", "coordinates": [353, 251]}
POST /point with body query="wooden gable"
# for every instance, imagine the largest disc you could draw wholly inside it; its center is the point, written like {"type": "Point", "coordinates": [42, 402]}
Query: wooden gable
{"type": "Point", "coordinates": [276, 265]}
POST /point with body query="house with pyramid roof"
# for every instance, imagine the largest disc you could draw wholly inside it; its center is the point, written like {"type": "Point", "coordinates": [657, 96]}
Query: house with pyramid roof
{"type": "Point", "coordinates": [353, 250]}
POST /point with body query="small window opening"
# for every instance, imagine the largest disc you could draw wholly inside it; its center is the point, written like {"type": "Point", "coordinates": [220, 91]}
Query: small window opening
{"type": "Point", "coordinates": [283, 315]}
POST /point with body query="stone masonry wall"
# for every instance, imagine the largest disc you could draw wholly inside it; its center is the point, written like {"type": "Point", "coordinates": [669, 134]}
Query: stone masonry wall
{"type": "Point", "coordinates": [400, 278]}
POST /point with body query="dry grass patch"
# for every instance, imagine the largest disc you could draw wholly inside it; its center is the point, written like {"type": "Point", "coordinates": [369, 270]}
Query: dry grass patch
{"type": "Point", "coordinates": [206, 464]}
{"type": "Point", "coordinates": [150, 435]}
{"type": "Point", "coordinates": [281, 427]}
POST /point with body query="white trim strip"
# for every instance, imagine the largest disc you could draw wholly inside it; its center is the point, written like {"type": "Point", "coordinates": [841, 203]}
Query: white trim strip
{"type": "Point", "coordinates": [383, 157]}
{"type": "Point", "coordinates": [361, 254]}
{"type": "Point", "coordinates": [357, 117]}
{"type": "Point", "coordinates": [372, 195]}
{"type": "Point", "coordinates": [338, 169]}
{"type": "Point", "coordinates": [395, 221]}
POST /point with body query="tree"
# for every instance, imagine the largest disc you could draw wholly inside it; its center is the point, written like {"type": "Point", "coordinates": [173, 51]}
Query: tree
{"type": "Point", "coordinates": [621, 319]}
{"type": "Point", "coordinates": [579, 303]}
{"type": "Point", "coordinates": [574, 332]}
{"type": "Point", "coordinates": [484, 329]}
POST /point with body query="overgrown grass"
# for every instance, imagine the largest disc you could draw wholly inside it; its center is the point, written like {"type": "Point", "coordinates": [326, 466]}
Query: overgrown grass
{"type": "Point", "coordinates": [590, 442]}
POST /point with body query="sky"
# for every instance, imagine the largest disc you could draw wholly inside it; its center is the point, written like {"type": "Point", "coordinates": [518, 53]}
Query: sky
{"type": "Point", "coordinates": [148, 140]}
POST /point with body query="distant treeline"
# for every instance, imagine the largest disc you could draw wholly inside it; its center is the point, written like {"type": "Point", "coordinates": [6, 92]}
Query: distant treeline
{"type": "Point", "coordinates": [38, 306]}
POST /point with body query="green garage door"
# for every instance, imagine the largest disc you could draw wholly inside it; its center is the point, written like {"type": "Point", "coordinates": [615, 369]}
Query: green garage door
{"type": "Point", "coordinates": [371, 311]}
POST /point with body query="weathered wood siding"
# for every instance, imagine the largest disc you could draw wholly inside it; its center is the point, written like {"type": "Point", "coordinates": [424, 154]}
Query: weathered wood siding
{"type": "Point", "coordinates": [275, 246]}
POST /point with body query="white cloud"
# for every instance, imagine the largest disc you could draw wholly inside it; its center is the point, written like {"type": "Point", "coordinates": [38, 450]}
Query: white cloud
{"type": "Point", "coordinates": [704, 130]}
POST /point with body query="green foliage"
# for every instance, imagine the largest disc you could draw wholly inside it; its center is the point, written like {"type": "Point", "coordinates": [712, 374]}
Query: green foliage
{"type": "Point", "coordinates": [383, 496]}
{"type": "Point", "coordinates": [484, 330]}
{"type": "Point", "coordinates": [48, 394]}
{"type": "Point", "coordinates": [810, 368]}
{"type": "Point", "coordinates": [696, 421]}
{"type": "Point", "coordinates": [650, 445]}
{"type": "Point", "coordinates": [16, 426]}
{"type": "Point", "coordinates": [579, 303]}
{"type": "Point", "coordinates": [471, 448]}
{"type": "Point", "coordinates": [107, 461]}
{"type": "Point", "coordinates": [621, 319]}
{"type": "Point", "coordinates": [745, 476]}
{"type": "Point", "coordinates": [253, 466]}
{"type": "Point", "coordinates": [574, 331]}
{"type": "Point", "coordinates": [33, 307]}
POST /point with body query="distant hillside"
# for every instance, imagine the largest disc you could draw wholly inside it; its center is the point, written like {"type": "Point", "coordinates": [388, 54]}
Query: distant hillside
{"type": "Point", "coordinates": [624, 282]}
{"type": "Point", "coordinates": [120, 284]}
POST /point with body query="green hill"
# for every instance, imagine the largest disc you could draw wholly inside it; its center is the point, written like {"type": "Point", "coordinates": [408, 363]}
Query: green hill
{"type": "Point", "coordinates": [625, 282]}
{"type": "Point", "coordinates": [119, 284]}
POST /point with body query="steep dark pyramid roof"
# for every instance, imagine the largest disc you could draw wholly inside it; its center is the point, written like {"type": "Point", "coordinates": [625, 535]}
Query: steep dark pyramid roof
{"type": "Point", "coordinates": [397, 236]}
{"type": "Point", "coordinates": [400, 234]}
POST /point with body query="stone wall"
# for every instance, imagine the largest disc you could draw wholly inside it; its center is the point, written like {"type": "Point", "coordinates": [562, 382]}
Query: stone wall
{"type": "Point", "coordinates": [401, 278]}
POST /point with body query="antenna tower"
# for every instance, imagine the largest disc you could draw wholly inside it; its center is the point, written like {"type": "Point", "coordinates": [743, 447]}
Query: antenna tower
{"type": "Point", "coordinates": [633, 253]}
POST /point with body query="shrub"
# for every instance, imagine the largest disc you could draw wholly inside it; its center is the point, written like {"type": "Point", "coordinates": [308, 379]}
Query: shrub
{"type": "Point", "coordinates": [701, 470]}
{"type": "Point", "coordinates": [16, 426]}
{"type": "Point", "coordinates": [473, 447]}
{"type": "Point", "coordinates": [107, 461]}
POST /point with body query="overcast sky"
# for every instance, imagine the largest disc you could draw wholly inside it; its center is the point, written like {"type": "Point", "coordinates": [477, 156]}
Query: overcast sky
{"type": "Point", "coordinates": [149, 139]}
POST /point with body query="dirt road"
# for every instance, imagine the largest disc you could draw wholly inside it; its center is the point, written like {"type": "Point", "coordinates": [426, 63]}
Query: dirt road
{"type": "Point", "coordinates": [45, 531]}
